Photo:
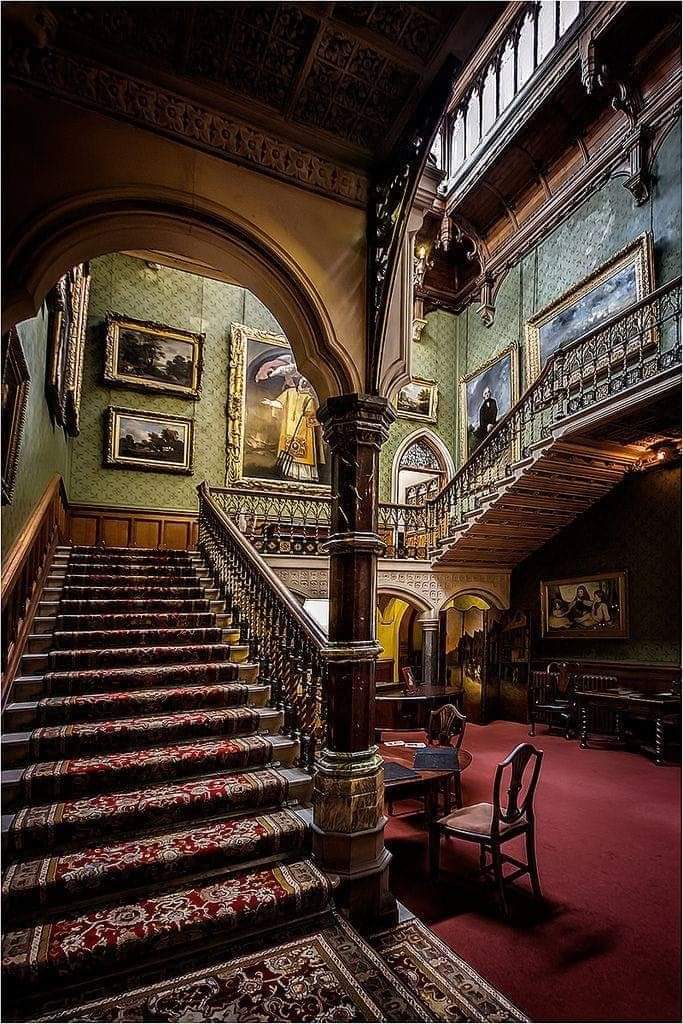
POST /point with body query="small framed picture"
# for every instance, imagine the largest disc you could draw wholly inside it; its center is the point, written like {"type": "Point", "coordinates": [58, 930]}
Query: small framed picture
{"type": "Point", "coordinates": [152, 357]}
{"type": "Point", "coordinates": [418, 400]}
{"type": "Point", "coordinates": [148, 441]}
{"type": "Point", "coordinates": [594, 605]}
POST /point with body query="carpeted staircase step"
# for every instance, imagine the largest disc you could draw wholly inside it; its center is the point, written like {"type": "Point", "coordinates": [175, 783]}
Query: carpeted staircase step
{"type": "Point", "coordinates": [75, 570]}
{"type": "Point", "coordinates": [133, 620]}
{"type": "Point", "coordinates": [109, 938]}
{"type": "Point", "coordinates": [140, 677]}
{"type": "Point", "coordinates": [119, 606]}
{"type": "Point", "coordinates": [102, 871]}
{"type": "Point", "coordinates": [148, 581]}
{"type": "Point", "coordinates": [46, 827]}
{"type": "Point", "coordinates": [99, 639]}
{"type": "Point", "coordinates": [123, 592]}
{"type": "Point", "coordinates": [73, 777]}
{"type": "Point", "coordinates": [154, 554]}
{"type": "Point", "coordinates": [110, 706]}
{"type": "Point", "coordinates": [86, 738]}
{"type": "Point", "coordinates": [85, 658]}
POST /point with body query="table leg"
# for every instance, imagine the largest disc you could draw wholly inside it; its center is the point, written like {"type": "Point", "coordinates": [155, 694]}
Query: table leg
{"type": "Point", "coordinates": [621, 738]}
{"type": "Point", "coordinates": [583, 716]}
{"type": "Point", "coordinates": [659, 741]}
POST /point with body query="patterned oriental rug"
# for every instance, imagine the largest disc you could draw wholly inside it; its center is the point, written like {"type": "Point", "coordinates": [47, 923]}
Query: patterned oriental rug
{"type": "Point", "coordinates": [332, 975]}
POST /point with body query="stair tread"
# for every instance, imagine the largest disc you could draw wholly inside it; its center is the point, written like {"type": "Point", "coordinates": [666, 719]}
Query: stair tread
{"type": "Point", "coordinates": [78, 874]}
{"type": "Point", "coordinates": [156, 805]}
{"type": "Point", "coordinates": [63, 948]}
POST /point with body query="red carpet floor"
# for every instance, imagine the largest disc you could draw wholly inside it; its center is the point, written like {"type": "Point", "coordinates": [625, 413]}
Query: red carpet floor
{"type": "Point", "coordinates": [607, 944]}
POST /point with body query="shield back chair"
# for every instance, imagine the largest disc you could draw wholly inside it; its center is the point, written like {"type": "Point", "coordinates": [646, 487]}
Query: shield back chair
{"type": "Point", "coordinates": [446, 728]}
{"type": "Point", "coordinates": [549, 704]}
{"type": "Point", "coordinates": [493, 825]}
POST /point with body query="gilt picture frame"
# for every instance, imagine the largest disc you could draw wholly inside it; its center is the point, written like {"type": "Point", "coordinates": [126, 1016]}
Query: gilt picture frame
{"type": "Point", "coordinates": [625, 278]}
{"type": "Point", "coordinates": [418, 400]}
{"type": "Point", "coordinates": [593, 605]}
{"type": "Point", "coordinates": [16, 383]}
{"type": "Point", "coordinates": [148, 441]}
{"type": "Point", "coordinates": [486, 396]}
{"type": "Point", "coordinates": [143, 355]}
{"type": "Point", "coordinates": [67, 306]}
{"type": "Point", "coordinates": [274, 441]}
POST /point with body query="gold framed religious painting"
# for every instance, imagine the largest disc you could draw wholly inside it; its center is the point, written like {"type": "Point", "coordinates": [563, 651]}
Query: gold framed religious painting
{"type": "Point", "coordinates": [592, 605]}
{"type": "Point", "coordinates": [486, 397]}
{"type": "Point", "coordinates": [150, 441]}
{"type": "Point", "coordinates": [418, 400]}
{"type": "Point", "coordinates": [626, 278]}
{"type": "Point", "coordinates": [146, 356]}
{"type": "Point", "coordinates": [274, 438]}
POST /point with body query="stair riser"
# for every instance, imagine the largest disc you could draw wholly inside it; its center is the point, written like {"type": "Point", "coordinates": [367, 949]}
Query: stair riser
{"type": "Point", "coordinates": [34, 664]}
{"type": "Point", "coordinates": [18, 750]}
{"type": "Point", "coordinates": [47, 624]}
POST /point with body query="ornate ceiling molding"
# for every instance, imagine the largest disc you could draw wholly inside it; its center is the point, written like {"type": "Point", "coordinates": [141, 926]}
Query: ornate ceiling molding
{"type": "Point", "coordinates": [110, 92]}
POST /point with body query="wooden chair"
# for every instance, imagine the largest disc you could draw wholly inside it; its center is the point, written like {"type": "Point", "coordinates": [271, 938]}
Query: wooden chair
{"type": "Point", "coordinates": [446, 724]}
{"type": "Point", "coordinates": [547, 704]}
{"type": "Point", "coordinates": [492, 825]}
{"type": "Point", "coordinates": [410, 683]}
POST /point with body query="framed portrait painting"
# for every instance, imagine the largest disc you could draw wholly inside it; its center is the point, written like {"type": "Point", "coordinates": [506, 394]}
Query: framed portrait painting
{"type": "Point", "coordinates": [16, 382]}
{"type": "Point", "coordinates": [627, 277]}
{"type": "Point", "coordinates": [593, 605]}
{"type": "Point", "coordinates": [152, 357]}
{"type": "Point", "coordinates": [486, 396]}
{"type": "Point", "coordinates": [418, 400]}
{"type": "Point", "coordinates": [148, 441]}
{"type": "Point", "coordinates": [274, 438]}
{"type": "Point", "coordinates": [67, 305]}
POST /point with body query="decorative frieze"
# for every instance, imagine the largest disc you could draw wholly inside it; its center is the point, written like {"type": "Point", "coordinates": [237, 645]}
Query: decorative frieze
{"type": "Point", "coordinates": [88, 84]}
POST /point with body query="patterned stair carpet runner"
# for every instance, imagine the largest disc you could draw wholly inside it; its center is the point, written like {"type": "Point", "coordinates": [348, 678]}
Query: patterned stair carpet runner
{"type": "Point", "coordinates": [101, 870]}
{"type": "Point", "coordinates": [151, 812]}
{"type": "Point", "coordinates": [330, 975]}
{"type": "Point", "coordinates": [67, 948]}
{"type": "Point", "coordinates": [45, 826]}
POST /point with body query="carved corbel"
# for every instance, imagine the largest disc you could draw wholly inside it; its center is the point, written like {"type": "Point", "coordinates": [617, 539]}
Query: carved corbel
{"type": "Point", "coordinates": [486, 308]}
{"type": "Point", "coordinates": [638, 182]}
{"type": "Point", "coordinates": [597, 74]}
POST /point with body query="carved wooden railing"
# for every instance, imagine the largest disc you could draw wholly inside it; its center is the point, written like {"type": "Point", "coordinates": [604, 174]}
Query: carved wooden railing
{"type": "Point", "coordinates": [24, 570]}
{"type": "Point", "coordinates": [285, 524]}
{"type": "Point", "coordinates": [288, 645]}
{"type": "Point", "coordinates": [627, 350]}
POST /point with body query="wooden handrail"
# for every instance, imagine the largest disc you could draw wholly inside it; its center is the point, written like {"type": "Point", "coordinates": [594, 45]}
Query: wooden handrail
{"type": "Point", "coordinates": [25, 570]}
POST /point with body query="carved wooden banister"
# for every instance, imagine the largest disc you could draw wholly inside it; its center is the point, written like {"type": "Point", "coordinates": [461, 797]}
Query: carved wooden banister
{"type": "Point", "coordinates": [24, 570]}
{"type": "Point", "coordinates": [628, 349]}
{"type": "Point", "coordinates": [288, 644]}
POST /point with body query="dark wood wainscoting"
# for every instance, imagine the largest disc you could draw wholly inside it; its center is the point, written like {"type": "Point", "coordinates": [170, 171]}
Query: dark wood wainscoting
{"type": "Point", "coordinates": [132, 527]}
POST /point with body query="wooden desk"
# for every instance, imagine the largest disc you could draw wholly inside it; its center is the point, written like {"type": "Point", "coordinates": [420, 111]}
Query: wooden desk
{"type": "Point", "coordinates": [427, 785]}
{"type": "Point", "coordinates": [661, 708]}
{"type": "Point", "coordinates": [402, 712]}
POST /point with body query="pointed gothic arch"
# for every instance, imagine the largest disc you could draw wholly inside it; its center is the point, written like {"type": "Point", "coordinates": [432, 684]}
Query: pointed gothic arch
{"type": "Point", "coordinates": [430, 442]}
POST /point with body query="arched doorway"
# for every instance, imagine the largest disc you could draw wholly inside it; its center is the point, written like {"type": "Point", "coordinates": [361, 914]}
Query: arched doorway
{"type": "Point", "coordinates": [399, 633]}
{"type": "Point", "coordinates": [422, 466]}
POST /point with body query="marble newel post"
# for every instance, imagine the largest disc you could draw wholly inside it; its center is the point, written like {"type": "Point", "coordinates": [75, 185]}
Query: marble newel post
{"type": "Point", "coordinates": [348, 815]}
{"type": "Point", "coordinates": [430, 650]}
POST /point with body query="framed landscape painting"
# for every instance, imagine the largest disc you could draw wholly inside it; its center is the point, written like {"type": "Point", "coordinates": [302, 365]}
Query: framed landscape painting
{"type": "Point", "coordinates": [594, 605]}
{"type": "Point", "coordinates": [627, 277]}
{"type": "Point", "coordinates": [486, 396]}
{"type": "Point", "coordinates": [152, 357]}
{"type": "Point", "coordinates": [148, 441]}
{"type": "Point", "coordinates": [418, 400]}
{"type": "Point", "coordinates": [274, 438]}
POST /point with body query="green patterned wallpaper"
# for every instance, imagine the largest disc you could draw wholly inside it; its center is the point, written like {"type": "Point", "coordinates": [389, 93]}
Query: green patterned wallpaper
{"type": "Point", "coordinates": [45, 449]}
{"type": "Point", "coordinates": [602, 225]}
{"type": "Point", "coordinates": [126, 285]}
{"type": "Point", "coordinates": [636, 527]}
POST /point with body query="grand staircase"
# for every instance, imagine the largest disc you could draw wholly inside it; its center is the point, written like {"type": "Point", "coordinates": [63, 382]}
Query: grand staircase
{"type": "Point", "coordinates": [151, 802]}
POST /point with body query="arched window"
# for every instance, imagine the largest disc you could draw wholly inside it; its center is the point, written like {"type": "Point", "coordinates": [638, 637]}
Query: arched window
{"type": "Point", "coordinates": [420, 472]}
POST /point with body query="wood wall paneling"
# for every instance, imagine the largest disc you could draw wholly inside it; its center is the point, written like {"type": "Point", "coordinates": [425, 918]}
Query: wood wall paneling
{"type": "Point", "coordinates": [136, 528]}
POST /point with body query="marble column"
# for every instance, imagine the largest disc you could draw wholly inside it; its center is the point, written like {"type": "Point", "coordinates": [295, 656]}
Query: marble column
{"type": "Point", "coordinates": [430, 651]}
{"type": "Point", "coordinates": [348, 800]}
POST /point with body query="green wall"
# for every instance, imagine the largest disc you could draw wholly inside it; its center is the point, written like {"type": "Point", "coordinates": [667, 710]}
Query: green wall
{"type": "Point", "coordinates": [44, 449]}
{"type": "Point", "coordinates": [603, 224]}
{"type": "Point", "coordinates": [126, 285]}
{"type": "Point", "coordinates": [636, 527]}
